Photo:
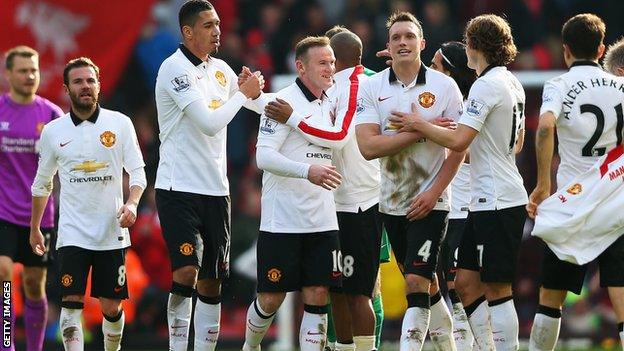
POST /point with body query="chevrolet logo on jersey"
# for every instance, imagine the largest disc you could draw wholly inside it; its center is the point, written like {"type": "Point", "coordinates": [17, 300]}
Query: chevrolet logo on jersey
{"type": "Point", "coordinates": [89, 166]}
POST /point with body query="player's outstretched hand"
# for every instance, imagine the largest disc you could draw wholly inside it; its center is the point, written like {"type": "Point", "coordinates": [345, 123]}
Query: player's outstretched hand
{"type": "Point", "coordinates": [278, 110]}
{"type": "Point", "coordinates": [385, 53]}
{"type": "Point", "coordinates": [37, 242]}
{"type": "Point", "coordinates": [422, 204]}
{"type": "Point", "coordinates": [325, 176]}
{"type": "Point", "coordinates": [535, 199]}
{"type": "Point", "coordinates": [127, 215]}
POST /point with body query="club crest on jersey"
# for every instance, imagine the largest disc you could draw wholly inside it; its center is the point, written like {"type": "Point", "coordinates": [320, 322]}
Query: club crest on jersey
{"type": "Point", "coordinates": [108, 138]}
{"type": "Point", "coordinates": [267, 126]}
{"type": "Point", "coordinates": [220, 78]}
{"type": "Point", "coordinates": [5, 125]}
{"type": "Point", "coordinates": [575, 189]}
{"type": "Point", "coordinates": [67, 280]}
{"type": "Point", "coordinates": [186, 249]}
{"type": "Point", "coordinates": [474, 107]}
{"type": "Point", "coordinates": [181, 83]}
{"type": "Point", "coordinates": [274, 275]}
{"type": "Point", "coordinates": [426, 99]}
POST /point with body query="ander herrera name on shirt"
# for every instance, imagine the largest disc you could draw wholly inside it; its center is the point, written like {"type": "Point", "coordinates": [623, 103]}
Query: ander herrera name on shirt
{"type": "Point", "coordinates": [578, 87]}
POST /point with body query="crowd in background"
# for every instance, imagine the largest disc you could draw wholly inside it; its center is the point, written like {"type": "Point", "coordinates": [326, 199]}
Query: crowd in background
{"type": "Point", "coordinates": [261, 35]}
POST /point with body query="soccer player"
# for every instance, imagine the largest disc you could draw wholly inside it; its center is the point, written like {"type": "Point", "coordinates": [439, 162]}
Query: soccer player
{"type": "Point", "coordinates": [90, 147]}
{"type": "Point", "coordinates": [451, 60]}
{"type": "Point", "coordinates": [22, 117]}
{"type": "Point", "coordinates": [414, 171]}
{"type": "Point", "coordinates": [356, 199]}
{"type": "Point", "coordinates": [584, 105]}
{"type": "Point", "coordinates": [197, 96]}
{"type": "Point", "coordinates": [298, 213]}
{"type": "Point", "coordinates": [492, 125]}
{"type": "Point", "coordinates": [614, 58]}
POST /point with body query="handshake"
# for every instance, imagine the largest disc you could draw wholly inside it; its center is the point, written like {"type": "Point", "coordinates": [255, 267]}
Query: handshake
{"type": "Point", "coordinates": [250, 83]}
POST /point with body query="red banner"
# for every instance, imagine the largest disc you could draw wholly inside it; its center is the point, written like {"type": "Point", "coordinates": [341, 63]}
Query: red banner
{"type": "Point", "coordinates": [60, 30]}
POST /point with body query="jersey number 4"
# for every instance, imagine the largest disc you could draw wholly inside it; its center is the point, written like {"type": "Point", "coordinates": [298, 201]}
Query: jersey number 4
{"type": "Point", "coordinates": [588, 149]}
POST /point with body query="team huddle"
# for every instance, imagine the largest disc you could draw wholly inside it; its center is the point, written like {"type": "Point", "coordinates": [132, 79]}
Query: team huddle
{"type": "Point", "coordinates": [422, 157]}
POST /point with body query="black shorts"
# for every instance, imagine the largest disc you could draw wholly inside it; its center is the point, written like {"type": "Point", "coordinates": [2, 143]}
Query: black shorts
{"type": "Point", "coordinates": [449, 248]}
{"type": "Point", "coordinates": [562, 275]}
{"type": "Point", "coordinates": [416, 244]}
{"type": "Point", "coordinates": [360, 242]}
{"type": "Point", "coordinates": [491, 242]}
{"type": "Point", "coordinates": [16, 245]}
{"type": "Point", "coordinates": [108, 272]}
{"type": "Point", "coordinates": [196, 229]}
{"type": "Point", "coordinates": [290, 261]}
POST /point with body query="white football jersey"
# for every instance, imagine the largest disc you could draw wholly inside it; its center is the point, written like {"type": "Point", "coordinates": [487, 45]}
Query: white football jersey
{"type": "Point", "coordinates": [359, 189]}
{"type": "Point", "coordinates": [495, 108]}
{"type": "Point", "coordinates": [90, 157]}
{"type": "Point", "coordinates": [414, 169]}
{"type": "Point", "coordinates": [291, 204]}
{"type": "Point", "coordinates": [588, 105]}
{"type": "Point", "coordinates": [190, 160]}
{"type": "Point", "coordinates": [582, 219]}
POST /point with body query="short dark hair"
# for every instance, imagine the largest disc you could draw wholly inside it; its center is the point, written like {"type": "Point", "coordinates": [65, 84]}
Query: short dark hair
{"type": "Point", "coordinates": [583, 34]}
{"type": "Point", "coordinates": [614, 58]}
{"type": "Point", "coordinates": [404, 17]}
{"type": "Point", "coordinates": [335, 30]}
{"type": "Point", "coordinates": [455, 61]}
{"type": "Point", "coordinates": [347, 48]}
{"type": "Point", "coordinates": [190, 11]}
{"type": "Point", "coordinates": [77, 63]}
{"type": "Point", "coordinates": [491, 35]}
{"type": "Point", "coordinates": [22, 51]}
{"type": "Point", "coordinates": [305, 44]}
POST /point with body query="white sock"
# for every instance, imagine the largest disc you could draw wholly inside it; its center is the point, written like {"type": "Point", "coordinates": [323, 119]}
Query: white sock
{"type": "Point", "coordinates": [479, 321]}
{"type": "Point", "coordinates": [461, 328]}
{"type": "Point", "coordinates": [179, 321]}
{"type": "Point", "coordinates": [71, 329]}
{"type": "Point", "coordinates": [313, 331]}
{"type": "Point", "coordinates": [441, 325]}
{"type": "Point", "coordinates": [206, 325]}
{"type": "Point", "coordinates": [505, 326]}
{"type": "Point", "coordinates": [364, 342]}
{"type": "Point", "coordinates": [622, 338]}
{"type": "Point", "coordinates": [545, 330]}
{"type": "Point", "coordinates": [113, 331]}
{"type": "Point", "coordinates": [345, 347]}
{"type": "Point", "coordinates": [258, 322]}
{"type": "Point", "coordinates": [414, 328]}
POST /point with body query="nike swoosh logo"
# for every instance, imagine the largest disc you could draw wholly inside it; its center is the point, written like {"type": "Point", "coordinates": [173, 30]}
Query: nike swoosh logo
{"type": "Point", "coordinates": [199, 77]}
{"type": "Point", "coordinates": [419, 264]}
{"type": "Point", "coordinates": [306, 117]}
{"type": "Point", "coordinates": [178, 326]}
{"type": "Point", "coordinates": [212, 332]}
{"type": "Point", "coordinates": [336, 274]}
{"type": "Point", "coordinates": [65, 143]}
{"type": "Point", "coordinates": [250, 323]}
{"type": "Point", "coordinates": [117, 289]}
{"type": "Point", "coordinates": [315, 333]}
{"type": "Point", "coordinates": [380, 99]}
